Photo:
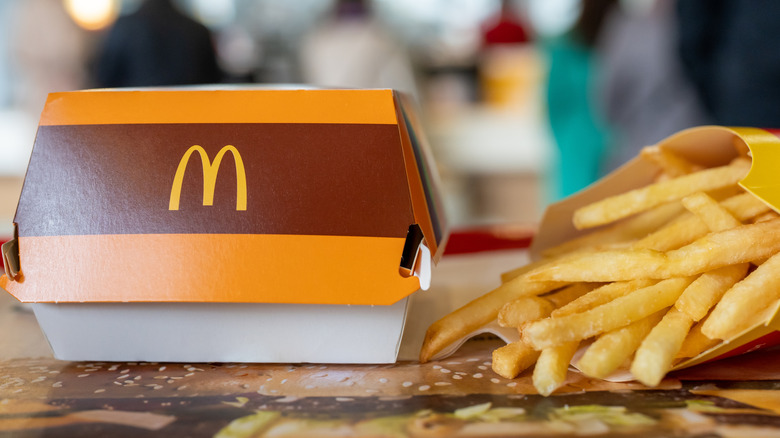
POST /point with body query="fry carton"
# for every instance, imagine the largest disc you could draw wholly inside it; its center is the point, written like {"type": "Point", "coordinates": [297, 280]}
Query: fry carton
{"type": "Point", "coordinates": [215, 225]}
{"type": "Point", "coordinates": [707, 146]}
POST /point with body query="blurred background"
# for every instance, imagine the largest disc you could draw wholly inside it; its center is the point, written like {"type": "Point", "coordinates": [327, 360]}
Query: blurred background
{"type": "Point", "coordinates": [523, 102]}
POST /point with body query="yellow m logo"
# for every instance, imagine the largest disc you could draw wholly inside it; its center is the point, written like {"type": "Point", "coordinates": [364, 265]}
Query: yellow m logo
{"type": "Point", "coordinates": [210, 171]}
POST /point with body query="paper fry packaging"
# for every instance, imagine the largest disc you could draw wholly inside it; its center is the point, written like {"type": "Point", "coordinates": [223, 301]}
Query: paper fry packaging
{"type": "Point", "coordinates": [707, 146]}
{"type": "Point", "coordinates": [262, 225]}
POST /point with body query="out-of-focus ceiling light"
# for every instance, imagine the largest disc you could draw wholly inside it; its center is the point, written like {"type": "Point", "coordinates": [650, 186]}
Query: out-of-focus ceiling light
{"type": "Point", "coordinates": [92, 14]}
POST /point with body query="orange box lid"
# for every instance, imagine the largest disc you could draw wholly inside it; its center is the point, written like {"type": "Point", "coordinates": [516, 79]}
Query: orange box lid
{"type": "Point", "coordinates": [225, 195]}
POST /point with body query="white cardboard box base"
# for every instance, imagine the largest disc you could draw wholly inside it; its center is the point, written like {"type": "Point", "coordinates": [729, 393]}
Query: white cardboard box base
{"type": "Point", "coordinates": [223, 332]}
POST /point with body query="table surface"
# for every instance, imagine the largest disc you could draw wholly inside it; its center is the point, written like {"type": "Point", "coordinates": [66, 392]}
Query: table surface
{"type": "Point", "coordinates": [457, 396]}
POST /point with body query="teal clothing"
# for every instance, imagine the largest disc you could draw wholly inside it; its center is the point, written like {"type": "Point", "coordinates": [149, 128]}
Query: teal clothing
{"type": "Point", "coordinates": [580, 136]}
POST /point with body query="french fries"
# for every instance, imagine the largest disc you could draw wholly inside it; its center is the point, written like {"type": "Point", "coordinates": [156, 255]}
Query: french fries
{"type": "Point", "coordinates": [635, 201]}
{"type": "Point", "coordinates": [695, 343]}
{"type": "Point", "coordinates": [697, 300]}
{"type": "Point", "coordinates": [757, 291]}
{"type": "Point", "coordinates": [612, 349]}
{"type": "Point", "coordinates": [524, 309]}
{"type": "Point", "coordinates": [477, 313]}
{"type": "Point", "coordinates": [672, 164]}
{"type": "Point", "coordinates": [601, 295]}
{"type": "Point", "coordinates": [513, 358]}
{"type": "Point", "coordinates": [676, 267]}
{"type": "Point", "coordinates": [654, 357]}
{"type": "Point", "coordinates": [550, 332]}
{"type": "Point", "coordinates": [552, 366]}
{"type": "Point", "coordinates": [710, 252]}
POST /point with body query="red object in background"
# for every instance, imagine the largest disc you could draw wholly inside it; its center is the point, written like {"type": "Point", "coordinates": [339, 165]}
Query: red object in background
{"type": "Point", "coordinates": [506, 32]}
{"type": "Point", "coordinates": [506, 28]}
{"type": "Point", "coordinates": [481, 239]}
{"type": "Point", "coordinates": [2, 264]}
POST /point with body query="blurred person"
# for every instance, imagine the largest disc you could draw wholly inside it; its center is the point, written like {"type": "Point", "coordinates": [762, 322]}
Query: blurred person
{"type": "Point", "coordinates": [644, 92]}
{"type": "Point", "coordinates": [352, 49]}
{"type": "Point", "coordinates": [157, 45]}
{"type": "Point", "coordinates": [577, 126]}
{"type": "Point", "coordinates": [730, 51]}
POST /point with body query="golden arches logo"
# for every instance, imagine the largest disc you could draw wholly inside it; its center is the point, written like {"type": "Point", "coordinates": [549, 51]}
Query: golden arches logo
{"type": "Point", "coordinates": [210, 171]}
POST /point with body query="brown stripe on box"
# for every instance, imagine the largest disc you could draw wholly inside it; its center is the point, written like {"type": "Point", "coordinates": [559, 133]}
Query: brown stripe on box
{"type": "Point", "coordinates": [321, 179]}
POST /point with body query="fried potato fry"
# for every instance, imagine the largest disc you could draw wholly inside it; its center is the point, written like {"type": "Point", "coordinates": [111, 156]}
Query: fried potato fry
{"type": "Point", "coordinates": [726, 247]}
{"type": "Point", "coordinates": [654, 357]}
{"type": "Point", "coordinates": [670, 163]}
{"type": "Point", "coordinates": [705, 291]}
{"type": "Point", "coordinates": [604, 266]}
{"type": "Point", "coordinates": [756, 291]}
{"type": "Point", "coordinates": [745, 206]}
{"type": "Point", "coordinates": [695, 342]}
{"type": "Point", "coordinates": [552, 366]}
{"type": "Point", "coordinates": [768, 216]}
{"type": "Point", "coordinates": [613, 348]}
{"type": "Point", "coordinates": [698, 298]}
{"type": "Point", "coordinates": [712, 214]}
{"type": "Point", "coordinates": [619, 206]}
{"type": "Point", "coordinates": [513, 358]}
{"type": "Point", "coordinates": [622, 232]}
{"type": "Point", "coordinates": [477, 313]}
{"type": "Point", "coordinates": [570, 293]}
{"type": "Point", "coordinates": [710, 252]}
{"type": "Point", "coordinates": [524, 309]}
{"type": "Point", "coordinates": [617, 313]}
{"type": "Point", "coordinates": [599, 296]}
{"type": "Point", "coordinates": [688, 227]}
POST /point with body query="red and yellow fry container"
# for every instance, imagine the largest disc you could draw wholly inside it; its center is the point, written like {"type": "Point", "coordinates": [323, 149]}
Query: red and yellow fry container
{"type": "Point", "coordinates": [268, 225]}
{"type": "Point", "coordinates": [707, 146]}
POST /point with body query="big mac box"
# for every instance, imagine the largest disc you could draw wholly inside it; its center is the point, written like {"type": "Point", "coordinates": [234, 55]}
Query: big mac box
{"type": "Point", "coordinates": [193, 224]}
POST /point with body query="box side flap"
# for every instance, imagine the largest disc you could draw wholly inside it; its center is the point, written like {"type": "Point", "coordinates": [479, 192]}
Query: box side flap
{"type": "Point", "coordinates": [423, 178]}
